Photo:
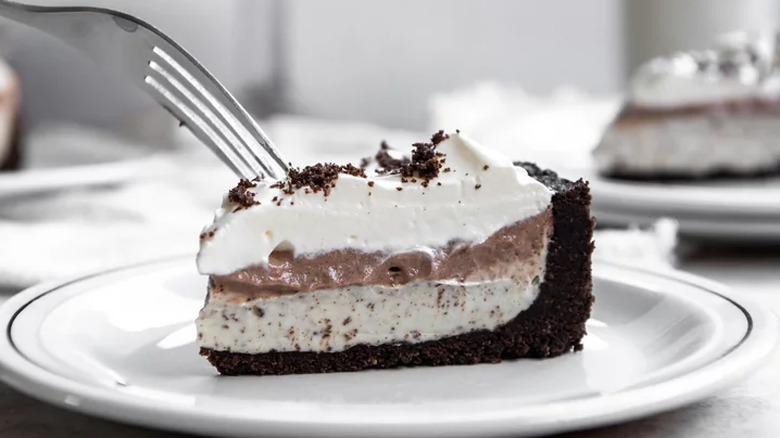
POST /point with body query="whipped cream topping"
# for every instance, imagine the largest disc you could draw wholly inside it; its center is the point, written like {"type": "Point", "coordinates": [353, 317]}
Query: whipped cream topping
{"type": "Point", "coordinates": [481, 193]}
{"type": "Point", "coordinates": [739, 67]}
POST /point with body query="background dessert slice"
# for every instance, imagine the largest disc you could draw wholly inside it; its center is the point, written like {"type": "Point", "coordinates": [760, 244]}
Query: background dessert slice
{"type": "Point", "coordinates": [521, 289]}
{"type": "Point", "coordinates": [10, 94]}
{"type": "Point", "coordinates": [699, 114]}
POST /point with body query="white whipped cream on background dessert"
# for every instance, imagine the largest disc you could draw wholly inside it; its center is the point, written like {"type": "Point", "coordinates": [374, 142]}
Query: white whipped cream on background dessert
{"type": "Point", "coordinates": [739, 67]}
{"type": "Point", "coordinates": [482, 193]}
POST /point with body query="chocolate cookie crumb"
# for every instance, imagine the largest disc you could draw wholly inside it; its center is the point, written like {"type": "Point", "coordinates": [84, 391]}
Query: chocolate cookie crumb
{"type": "Point", "coordinates": [439, 137]}
{"type": "Point", "coordinates": [241, 195]}
{"type": "Point", "coordinates": [387, 163]}
{"type": "Point", "coordinates": [424, 163]}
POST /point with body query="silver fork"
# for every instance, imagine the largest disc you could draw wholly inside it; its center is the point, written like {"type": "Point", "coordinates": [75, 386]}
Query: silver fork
{"type": "Point", "coordinates": [165, 71]}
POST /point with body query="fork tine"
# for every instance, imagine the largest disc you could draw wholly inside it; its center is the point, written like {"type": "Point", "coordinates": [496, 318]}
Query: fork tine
{"type": "Point", "coordinates": [236, 134]}
{"type": "Point", "coordinates": [194, 103]}
{"type": "Point", "coordinates": [234, 114]}
{"type": "Point", "coordinates": [198, 126]}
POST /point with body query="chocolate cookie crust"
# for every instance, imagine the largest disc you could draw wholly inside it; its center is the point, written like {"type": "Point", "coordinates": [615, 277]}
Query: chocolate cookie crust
{"type": "Point", "coordinates": [553, 325]}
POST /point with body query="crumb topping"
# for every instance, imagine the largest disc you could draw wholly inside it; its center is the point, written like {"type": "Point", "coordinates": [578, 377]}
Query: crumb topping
{"type": "Point", "coordinates": [318, 177]}
{"type": "Point", "coordinates": [424, 164]}
{"type": "Point", "coordinates": [241, 194]}
{"type": "Point", "coordinates": [386, 162]}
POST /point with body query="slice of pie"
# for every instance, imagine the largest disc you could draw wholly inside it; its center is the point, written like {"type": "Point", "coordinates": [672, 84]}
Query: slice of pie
{"type": "Point", "coordinates": [453, 256]}
{"type": "Point", "coordinates": [699, 114]}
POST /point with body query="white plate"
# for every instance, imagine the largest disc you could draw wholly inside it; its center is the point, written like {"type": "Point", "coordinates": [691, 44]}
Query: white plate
{"type": "Point", "coordinates": [61, 157]}
{"type": "Point", "coordinates": [720, 209]}
{"type": "Point", "coordinates": [121, 345]}
{"type": "Point", "coordinates": [753, 231]}
{"type": "Point", "coordinates": [26, 182]}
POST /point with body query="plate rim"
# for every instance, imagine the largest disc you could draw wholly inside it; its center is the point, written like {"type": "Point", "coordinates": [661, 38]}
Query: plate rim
{"type": "Point", "coordinates": [27, 181]}
{"type": "Point", "coordinates": [647, 194]}
{"type": "Point", "coordinates": [646, 197]}
{"type": "Point", "coordinates": [710, 228]}
{"type": "Point", "coordinates": [38, 382]}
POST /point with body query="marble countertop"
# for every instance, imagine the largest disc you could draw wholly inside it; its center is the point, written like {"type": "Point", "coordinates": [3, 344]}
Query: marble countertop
{"type": "Point", "coordinates": [751, 408]}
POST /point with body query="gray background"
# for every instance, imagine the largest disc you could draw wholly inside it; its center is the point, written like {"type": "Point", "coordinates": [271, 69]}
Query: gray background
{"type": "Point", "coordinates": [377, 61]}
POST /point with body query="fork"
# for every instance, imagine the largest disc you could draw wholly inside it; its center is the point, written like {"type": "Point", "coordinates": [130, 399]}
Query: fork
{"type": "Point", "coordinates": [168, 73]}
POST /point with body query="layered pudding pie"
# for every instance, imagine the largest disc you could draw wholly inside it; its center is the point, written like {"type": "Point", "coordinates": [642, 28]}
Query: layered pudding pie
{"type": "Point", "coordinates": [454, 255]}
{"type": "Point", "coordinates": [699, 114]}
{"type": "Point", "coordinates": [10, 93]}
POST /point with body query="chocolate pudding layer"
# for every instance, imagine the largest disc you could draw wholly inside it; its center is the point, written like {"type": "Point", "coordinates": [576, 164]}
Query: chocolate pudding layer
{"type": "Point", "coordinates": [493, 258]}
{"type": "Point", "coordinates": [746, 107]}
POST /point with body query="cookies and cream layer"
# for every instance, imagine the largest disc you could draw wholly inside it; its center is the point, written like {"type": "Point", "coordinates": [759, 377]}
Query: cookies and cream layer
{"type": "Point", "coordinates": [696, 143]}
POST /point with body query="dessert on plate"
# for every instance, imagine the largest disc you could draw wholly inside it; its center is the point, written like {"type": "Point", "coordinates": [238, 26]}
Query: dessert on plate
{"type": "Point", "coordinates": [699, 114]}
{"type": "Point", "coordinates": [9, 118]}
{"type": "Point", "coordinates": [454, 255]}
